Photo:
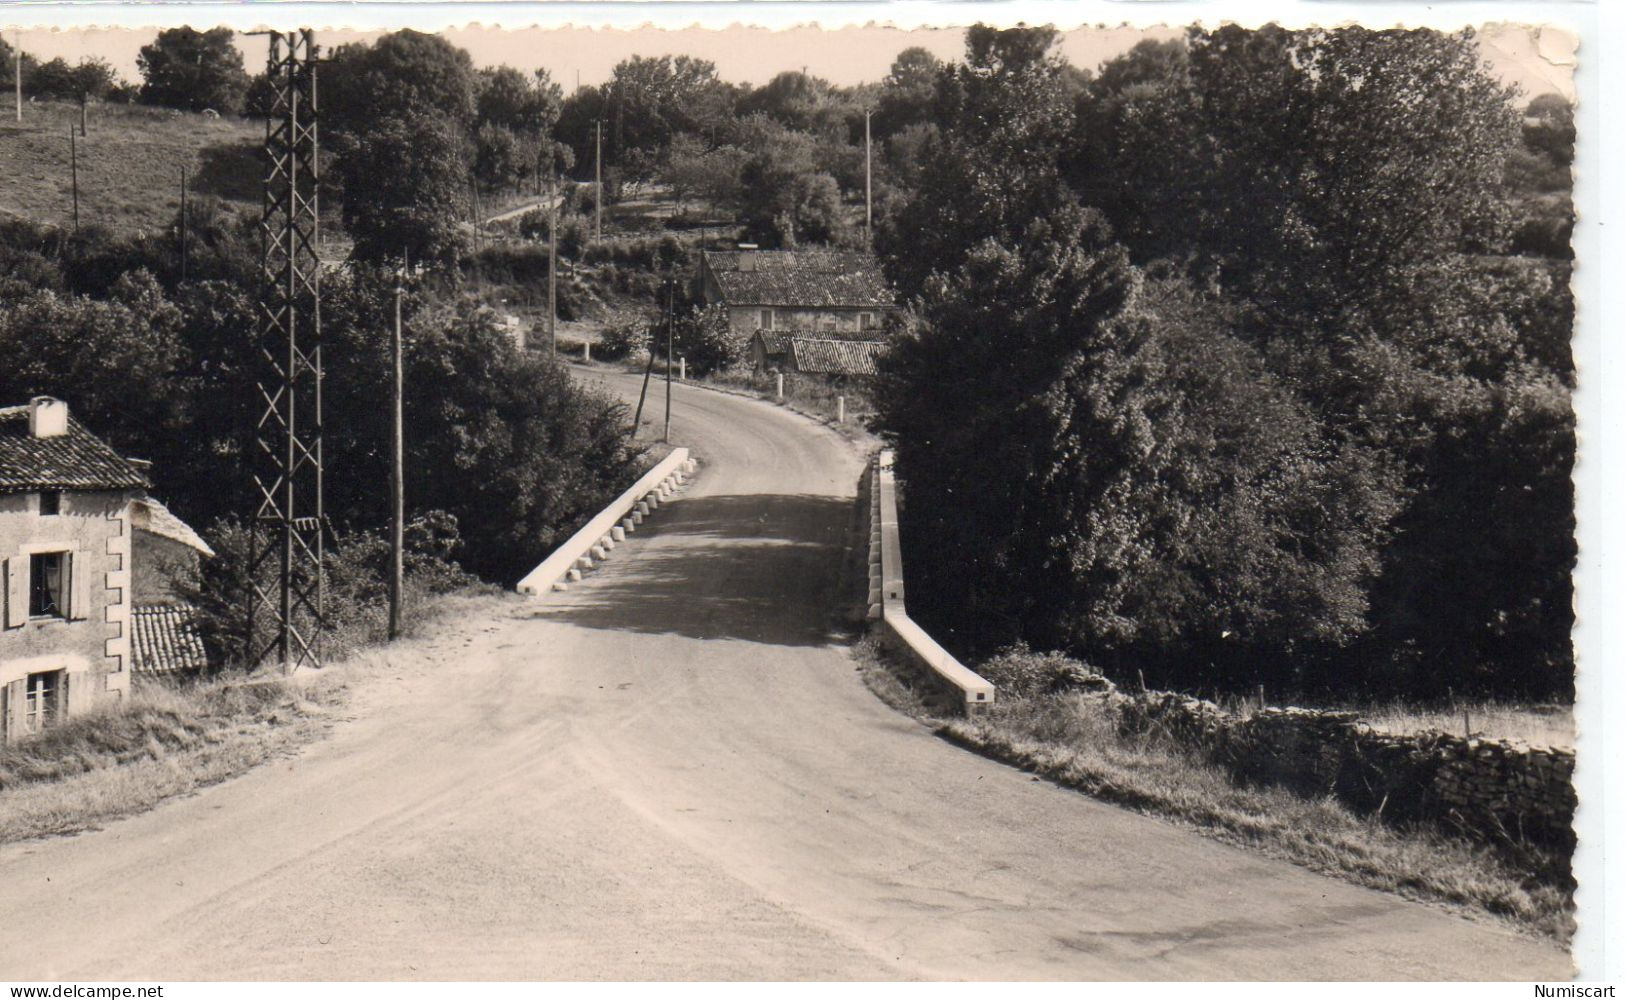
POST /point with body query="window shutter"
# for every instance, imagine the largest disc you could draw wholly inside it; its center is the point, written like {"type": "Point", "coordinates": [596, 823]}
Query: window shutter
{"type": "Point", "coordinates": [16, 591]}
{"type": "Point", "coordinates": [15, 698]}
{"type": "Point", "coordinates": [79, 579]}
{"type": "Point", "coordinates": [80, 695]}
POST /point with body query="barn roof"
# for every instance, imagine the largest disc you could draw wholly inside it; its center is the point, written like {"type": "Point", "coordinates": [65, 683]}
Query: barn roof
{"type": "Point", "coordinates": [164, 640]}
{"type": "Point", "coordinates": [835, 357]}
{"type": "Point", "coordinates": [807, 278]}
{"type": "Point", "coordinates": [77, 460]}
{"type": "Point", "coordinates": [773, 343]}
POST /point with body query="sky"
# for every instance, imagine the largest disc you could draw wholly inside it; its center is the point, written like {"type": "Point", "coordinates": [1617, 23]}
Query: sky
{"type": "Point", "coordinates": [1537, 60]}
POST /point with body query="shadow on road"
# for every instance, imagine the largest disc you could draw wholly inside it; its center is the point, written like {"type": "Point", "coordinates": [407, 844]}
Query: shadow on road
{"type": "Point", "coordinates": [762, 568]}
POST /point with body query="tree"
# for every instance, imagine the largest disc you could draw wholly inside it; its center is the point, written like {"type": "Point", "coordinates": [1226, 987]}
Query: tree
{"type": "Point", "coordinates": [193, 70]}
{"type": "Point", "coordinates": [1548, 128]}
{"type": "Point", "coordinates": [1306, 169]}
{"type": "Point", "coordinates": [390, 210]}
{"type": "Point", "coordinates": [1005, 120]}
{"type": "Point", "coordinates": [785, 200]}
{"type": "Point", "coordinates": [117, 361]}
{"type": "Point", "coordinates": [527, 106]}
{"type": "Point", "coordinates": [1346, 190]}
{"type": "Point", "coordinates": [908, 92]}
{"type": "Point", "coordinates": [798, 101]}
{"type": "Point", "coordinates": [403, 72]}
{"type": "Point", "coordinates": [1093, 462]}
{"type": "Point", "coordinates": [647, 101]}
{"type": "Point", "coordinates": [501, 159]}
{"type": "Point", "coordinates": [53, 79]}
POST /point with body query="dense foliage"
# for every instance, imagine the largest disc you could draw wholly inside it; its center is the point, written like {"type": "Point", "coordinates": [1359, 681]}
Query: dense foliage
{"type": "Point", "coordinates": [1279, 404]}
{"type": "Point", "coordinates": [505, 443]}
{"type": "Point", "coordinates": [194, 70]}
{"type": "Point", "coordinates": [1243, 359]}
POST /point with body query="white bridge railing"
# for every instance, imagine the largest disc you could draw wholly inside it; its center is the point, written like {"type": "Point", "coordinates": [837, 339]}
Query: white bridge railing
{"type": "Point", "coordinates": [593, 543]}
{"type": "Point", "coordinates": [886, 596]}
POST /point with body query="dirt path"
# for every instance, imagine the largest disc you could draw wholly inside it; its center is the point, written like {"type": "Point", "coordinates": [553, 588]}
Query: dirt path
{"type": "Point", "coordinates": [673, 771]}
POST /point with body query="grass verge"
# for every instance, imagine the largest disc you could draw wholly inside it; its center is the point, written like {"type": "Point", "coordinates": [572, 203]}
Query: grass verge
{"type": "Point", "coordinates": [166, 740]}
{"type": "Point", "coordinates": [1069, 740]}
{"type": "Point", "coordinates": [160, 742]}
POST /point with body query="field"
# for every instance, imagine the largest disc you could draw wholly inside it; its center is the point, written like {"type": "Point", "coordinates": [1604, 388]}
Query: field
{"type": "Point", "coordinates": [130, 163]}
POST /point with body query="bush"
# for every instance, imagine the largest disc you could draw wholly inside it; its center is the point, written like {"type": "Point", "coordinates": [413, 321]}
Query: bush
{"type": "Point", "coordinates": [706, 339]}
{"type": "Point", "coordinates": [1019, 671]}
{"type": "Point", "coordinates": [508, 263]}
{"type": "Point", "coordinates": [356, 599]}
{"type": "Point", "coordinates": [621, 340]}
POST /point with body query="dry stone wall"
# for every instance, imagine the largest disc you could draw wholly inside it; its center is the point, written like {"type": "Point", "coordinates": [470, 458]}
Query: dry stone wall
{"type": "Point", "coordinates": [1488, 788]}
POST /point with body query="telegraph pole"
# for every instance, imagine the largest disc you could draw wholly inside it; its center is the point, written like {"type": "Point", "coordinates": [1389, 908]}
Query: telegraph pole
{"type": "Point", "coordinates": [598, 177]}
{"type": "Point", "coordinates": [183, 224]}
{"type": "Point", "coordinates": [397, 473]}
{"type": "Point", "coordinates": [671, 312]}
{"type": "Point", "coordinates": [553, 266]}
{"type": "Point", "coordinates": [73, 159]}
{"type": "Point", "coordinates": [868, 185]}
{"type": "Point", "coordinates": [17, 65]}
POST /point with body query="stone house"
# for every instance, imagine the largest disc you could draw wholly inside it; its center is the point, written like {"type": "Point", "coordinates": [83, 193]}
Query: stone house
{"type": "Point", "coordinates": [821, 292]}
{"type": "Point", "coordinates": [69, 509]}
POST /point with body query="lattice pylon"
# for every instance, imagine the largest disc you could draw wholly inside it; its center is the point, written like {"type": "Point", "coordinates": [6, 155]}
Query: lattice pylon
{"type": "Point", "coordinates": [290, 522]}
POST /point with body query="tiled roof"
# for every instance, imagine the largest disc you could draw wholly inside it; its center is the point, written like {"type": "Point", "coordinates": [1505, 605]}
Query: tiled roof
{"type": "Point", "coordinates": [147, 514]}
{"type": "Point", "coordinates": [77, 460]}
{"type": "Point", "coordinates": [809, 278]}
{"type": "Point", "coordinates": [834, 357]}
{"type": "Point", "coordinates": [774, 343]}
{"type": "Point", "coordinates": [164, 640]}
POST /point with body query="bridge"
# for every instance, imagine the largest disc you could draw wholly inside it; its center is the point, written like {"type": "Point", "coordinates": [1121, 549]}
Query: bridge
{"type": "Point", "coordinates": [672, 770]}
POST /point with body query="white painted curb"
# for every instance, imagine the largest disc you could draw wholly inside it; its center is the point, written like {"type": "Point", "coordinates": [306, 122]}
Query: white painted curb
{"type": "Point", "coordinates": [589, 544]}
{"type": "Point", "coordinates": [886, 594]}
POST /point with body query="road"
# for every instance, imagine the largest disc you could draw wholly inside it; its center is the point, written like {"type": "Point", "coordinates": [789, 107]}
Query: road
{"type": "Point", "coordinates": [672, 771]}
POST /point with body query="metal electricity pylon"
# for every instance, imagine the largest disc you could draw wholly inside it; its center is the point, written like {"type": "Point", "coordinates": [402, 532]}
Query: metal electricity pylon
{"type": "Point", "coordinates": [289, 524]}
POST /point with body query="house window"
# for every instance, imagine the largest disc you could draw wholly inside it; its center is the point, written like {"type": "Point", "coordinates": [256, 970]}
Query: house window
{"type": "Point", "coordinates": [45, 579]}
{"type": "Point", "coordinates": [42, 701]}
{"type": "Point", "coordinates": [50, 503]}
{"type": "Point", "coordinates": [866, 321]}
{"type": "Point", "coordinates": [767, 319]}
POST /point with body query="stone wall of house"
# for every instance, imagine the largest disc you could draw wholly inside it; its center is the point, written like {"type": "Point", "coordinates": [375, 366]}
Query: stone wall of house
{"type": "Point", "coordinates": [1488, 788]}
{"type": "Point", "coordinates": [91, 646]}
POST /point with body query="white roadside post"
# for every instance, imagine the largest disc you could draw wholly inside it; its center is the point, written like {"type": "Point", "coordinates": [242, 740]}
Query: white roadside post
{"type": "Point", "coordinates": [780, 390]}
{"type": "Point", "coordinates": [840, 409]}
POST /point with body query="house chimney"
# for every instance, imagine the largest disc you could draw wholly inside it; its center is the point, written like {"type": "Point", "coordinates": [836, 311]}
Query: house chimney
{"type": "Point", "coordinates": [747, 259]}
{"type": "Point", "coordinates": [47, 417]}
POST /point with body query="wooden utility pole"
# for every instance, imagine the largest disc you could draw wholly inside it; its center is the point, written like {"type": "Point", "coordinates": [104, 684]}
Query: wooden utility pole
{"type": "Point", "coordinates": [397, 475]}
{"type": "Point", "coordinates": [868, 185]}
{"type": "Point", "coordinates": [671, 317]}
{"type": "Point", "coordinates": [17, 65]}
{"type": "Point", "coordinates": [643, 394]}
{"type": "Point", "coordinates": [553, 267]}
{"type": "Point", "coordinates": [183, 223]}
{"type": "Point", "coordinates": [598, 178]}
{"type": "Point", "coordinates": [73, 159]}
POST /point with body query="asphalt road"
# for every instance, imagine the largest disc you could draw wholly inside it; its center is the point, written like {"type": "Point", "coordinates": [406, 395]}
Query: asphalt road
{"type": "Point", "coordinates": [672, 771]}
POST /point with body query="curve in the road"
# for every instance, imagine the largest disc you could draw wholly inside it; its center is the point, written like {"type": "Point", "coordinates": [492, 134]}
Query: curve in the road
{"type": "Point", "coordinates": [672, 771]}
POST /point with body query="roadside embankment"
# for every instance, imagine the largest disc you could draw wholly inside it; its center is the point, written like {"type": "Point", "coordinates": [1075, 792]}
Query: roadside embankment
{"type": "Point", "coordinates": [1317, 788]}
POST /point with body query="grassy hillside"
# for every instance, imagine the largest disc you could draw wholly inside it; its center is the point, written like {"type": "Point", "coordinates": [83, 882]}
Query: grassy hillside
{"type": "Point", "coordinates": [129, 165]}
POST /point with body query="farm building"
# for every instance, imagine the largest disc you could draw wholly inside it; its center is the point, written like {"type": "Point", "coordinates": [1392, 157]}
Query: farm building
{"type": "Point", "coordinates": [812, 356]}
{"type": "Point", "coordinates": [796, 291]}
{"type": "Point", "coordinates": [71, 509]}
